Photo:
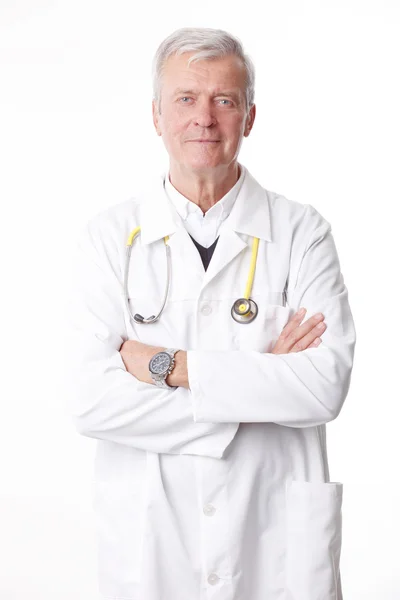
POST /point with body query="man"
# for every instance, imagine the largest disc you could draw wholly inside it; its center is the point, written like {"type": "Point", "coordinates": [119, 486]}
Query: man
{"type": "Point", "coordinates": [211, 474]}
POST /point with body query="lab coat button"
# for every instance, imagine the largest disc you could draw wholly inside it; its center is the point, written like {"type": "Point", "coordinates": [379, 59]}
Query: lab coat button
{"type": "Point", "coordinates": [206, 310]}
{"type": "Point", "coordinates": [209, 510]}
{"type": "Point", "coordinates": [213, 578]}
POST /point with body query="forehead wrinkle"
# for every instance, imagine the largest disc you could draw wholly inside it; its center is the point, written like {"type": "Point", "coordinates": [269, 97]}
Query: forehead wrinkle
{"type": "Point", "coordinates": [206, 71]}
{"type": "Point", "coordinates": [215, 92]}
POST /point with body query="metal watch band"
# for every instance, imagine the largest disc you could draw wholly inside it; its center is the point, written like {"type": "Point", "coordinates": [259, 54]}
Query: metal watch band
{"type": "Point", "coordinates": [160, 380]}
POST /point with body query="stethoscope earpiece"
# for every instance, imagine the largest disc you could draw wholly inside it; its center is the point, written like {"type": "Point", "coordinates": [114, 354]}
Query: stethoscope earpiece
{"type": "Point", "coordinates": [140, 319]}
{"type": "Point", "coordinates": [244, 310]}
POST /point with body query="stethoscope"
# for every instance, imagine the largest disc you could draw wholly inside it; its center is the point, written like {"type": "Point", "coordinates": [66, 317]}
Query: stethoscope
{"type": "Point", "coordinates": [244, 310]}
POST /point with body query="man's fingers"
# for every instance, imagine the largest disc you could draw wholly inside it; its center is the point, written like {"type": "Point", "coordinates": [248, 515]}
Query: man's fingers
{"type": "Point", "coordinates": [293, 331]}
{"type": "Point", "coordinates": [309, 338]}
{"type": "Point", "coordinates": [295, 337]}
{"type": "Point", "coordinates": [293, 323]}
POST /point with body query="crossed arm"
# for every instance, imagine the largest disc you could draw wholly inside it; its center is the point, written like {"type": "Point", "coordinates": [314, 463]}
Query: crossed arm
{"type": "Point", "coordinates": [293, 338]}
{"type": "Point", "coordinates": [201, 416]}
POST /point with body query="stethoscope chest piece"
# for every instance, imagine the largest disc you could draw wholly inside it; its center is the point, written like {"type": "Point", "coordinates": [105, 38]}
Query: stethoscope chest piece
{"type": "Point", "coordinates": [244, 311]}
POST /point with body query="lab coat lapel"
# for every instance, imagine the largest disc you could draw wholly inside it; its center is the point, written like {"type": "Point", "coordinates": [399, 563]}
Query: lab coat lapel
{"type": "Point", "coordinates": [158, 218]}
{"type": "Point", "coordinates": [250, 215]}
{"type": "Point", "coordinates": [229, 245]}
{"type": "Point", "coordinates": [184, 250]}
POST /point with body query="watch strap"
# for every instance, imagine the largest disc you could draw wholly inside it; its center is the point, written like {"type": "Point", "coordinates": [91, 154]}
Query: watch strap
{"type": "Point", "coordinates": [160, 379]}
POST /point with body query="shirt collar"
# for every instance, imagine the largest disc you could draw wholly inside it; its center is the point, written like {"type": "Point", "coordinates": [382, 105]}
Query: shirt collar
{"type": "Point", "coordinates": [250, 213]}
{"type": "Point", "coordinates": [220, 210]}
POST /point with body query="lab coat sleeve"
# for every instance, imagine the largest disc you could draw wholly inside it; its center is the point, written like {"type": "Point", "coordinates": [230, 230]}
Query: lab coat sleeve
{"type": "Point", "coordinates": [298, 389]}
{"type": "Point", "coordinates": [104, 400]}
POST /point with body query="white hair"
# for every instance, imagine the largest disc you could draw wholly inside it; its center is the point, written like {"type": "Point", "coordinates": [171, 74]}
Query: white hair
{"type": "Point", "coordinates": [207, 43]}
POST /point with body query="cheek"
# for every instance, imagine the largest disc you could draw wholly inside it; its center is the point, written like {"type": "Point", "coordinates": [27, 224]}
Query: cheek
{"type": "Point", "coordinates": [171, 122]}
{"type": "Point", "coordinates": [232, 128]}
{"type": "Point", "coordinates": [176, 131]}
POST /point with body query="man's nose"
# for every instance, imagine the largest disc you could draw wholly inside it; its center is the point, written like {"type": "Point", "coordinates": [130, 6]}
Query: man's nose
{"type": "Point", "coordinates": [204, 115]}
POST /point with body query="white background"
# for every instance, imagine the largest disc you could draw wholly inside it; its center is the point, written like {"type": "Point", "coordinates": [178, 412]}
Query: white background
{"type": "Point", "coordinates": [76, 136]}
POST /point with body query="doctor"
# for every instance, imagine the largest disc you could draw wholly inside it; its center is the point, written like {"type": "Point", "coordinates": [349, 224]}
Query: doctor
{"type": "Point", "coordinates": [211, 476]}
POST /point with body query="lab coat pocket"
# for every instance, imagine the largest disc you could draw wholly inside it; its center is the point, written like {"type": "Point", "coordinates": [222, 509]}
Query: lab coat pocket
{"type": "Point", "coordinates": [262, 333]}
{"type": "Point", "coordinates": [314, 539]}
{"type": "Point", "coordinates": [120, 518]}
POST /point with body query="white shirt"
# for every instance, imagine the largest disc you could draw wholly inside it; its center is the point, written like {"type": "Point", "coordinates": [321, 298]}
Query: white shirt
{"type": "Point", "coordinates": [204, 228]}
{"type": "Point", "coordinates": [220, 491]}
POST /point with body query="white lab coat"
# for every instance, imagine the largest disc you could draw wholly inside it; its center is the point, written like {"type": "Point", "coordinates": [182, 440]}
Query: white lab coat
{"type": "Point", "coordinates": [220, 492]}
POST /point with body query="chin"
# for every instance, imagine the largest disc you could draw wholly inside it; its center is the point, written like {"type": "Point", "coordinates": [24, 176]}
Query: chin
{"type": "Point", "coordinates": [203, 162]}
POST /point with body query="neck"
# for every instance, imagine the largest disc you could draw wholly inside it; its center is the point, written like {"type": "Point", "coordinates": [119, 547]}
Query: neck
{"type": "Point", "coordinates": [206, 188]}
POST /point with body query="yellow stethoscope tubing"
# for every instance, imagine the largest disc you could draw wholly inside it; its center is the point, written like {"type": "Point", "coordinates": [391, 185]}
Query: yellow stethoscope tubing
{"type": "Point", "coordinates": [153, 318]}
{"type": "Point", "coordinates": [134, 233]}
{"type": "Point", "coordinates": [250, 278]}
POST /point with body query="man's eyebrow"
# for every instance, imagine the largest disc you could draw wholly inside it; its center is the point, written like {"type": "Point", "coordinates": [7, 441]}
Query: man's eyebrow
{"type": "Point", "coordinates": [230, 93]}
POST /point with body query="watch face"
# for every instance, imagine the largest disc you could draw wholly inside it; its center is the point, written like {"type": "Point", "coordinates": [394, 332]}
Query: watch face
{"type": "Point", "coordinates": [160, 363]}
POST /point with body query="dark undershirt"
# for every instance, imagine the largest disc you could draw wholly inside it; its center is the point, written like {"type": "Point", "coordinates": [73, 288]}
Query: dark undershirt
{"type": "Point", "coordinates": [205, 253]}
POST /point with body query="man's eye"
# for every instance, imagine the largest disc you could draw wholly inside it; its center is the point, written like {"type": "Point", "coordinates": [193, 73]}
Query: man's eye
{"type": "Point", "coordinates": [225, 100]}
{"type": "Point", "coordinates": [185, 98]}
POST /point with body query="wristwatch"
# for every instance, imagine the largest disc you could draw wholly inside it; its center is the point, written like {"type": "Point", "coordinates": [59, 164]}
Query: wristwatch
{"type": "Point", "coordinates": [161, 365]}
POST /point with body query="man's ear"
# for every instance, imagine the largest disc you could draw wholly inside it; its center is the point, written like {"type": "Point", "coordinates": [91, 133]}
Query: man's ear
{"type": "Point", "coordinates": [156, 117]}
{"type": "Point", "coordinates": [250, 120]}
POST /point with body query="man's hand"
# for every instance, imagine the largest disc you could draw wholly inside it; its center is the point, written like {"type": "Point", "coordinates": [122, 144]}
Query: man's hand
{"type": "Point", "coordinates": [295, 337]}
{"type": "Point", "coordinates": [136, 357]}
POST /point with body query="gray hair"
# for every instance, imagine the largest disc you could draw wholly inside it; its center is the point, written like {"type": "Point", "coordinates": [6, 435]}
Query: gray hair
{"type": "Point", "coordinates": [207, 43]}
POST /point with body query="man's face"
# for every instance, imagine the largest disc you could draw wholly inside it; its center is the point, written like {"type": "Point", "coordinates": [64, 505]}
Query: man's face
{"type": "Point", "coordinates": [205, 101]}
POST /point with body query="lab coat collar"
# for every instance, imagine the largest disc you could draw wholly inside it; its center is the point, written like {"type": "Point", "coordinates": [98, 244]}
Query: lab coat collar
{"type": "Point", "coordinates": [250, 213]}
